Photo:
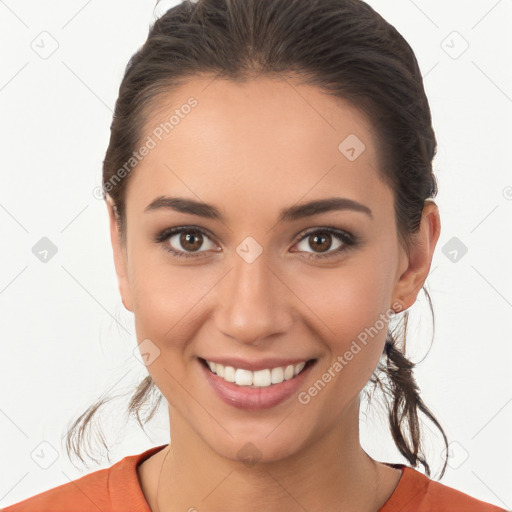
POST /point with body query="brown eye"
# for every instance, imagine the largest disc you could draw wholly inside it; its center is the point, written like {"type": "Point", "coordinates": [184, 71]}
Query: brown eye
{"type": "Point", "coordinates": [325, 242]}
{"type": "Point", "coordinates": [184, 242]}
{"type": "Point", "coordinates": [191, 240]}
{"type": "Point", "coordinates": [320, 242]}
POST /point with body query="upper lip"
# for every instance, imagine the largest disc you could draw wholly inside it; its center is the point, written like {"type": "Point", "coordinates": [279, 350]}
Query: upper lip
{"type": "Point", "coordinates": [254, 365]}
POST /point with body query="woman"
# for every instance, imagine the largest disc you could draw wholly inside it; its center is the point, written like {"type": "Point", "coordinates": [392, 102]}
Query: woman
{"type": "Point", "coordinates": [269, 187]}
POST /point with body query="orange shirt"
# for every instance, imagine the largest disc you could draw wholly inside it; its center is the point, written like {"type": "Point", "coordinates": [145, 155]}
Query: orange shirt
{"type": "Point", "coordinates": [117, 489]}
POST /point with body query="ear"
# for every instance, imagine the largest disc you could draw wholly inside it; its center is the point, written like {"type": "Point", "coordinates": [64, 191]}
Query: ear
{"type": "Point", "coordinates": [416, 266]}
{"type": "Point", "coordinates": [120, 255]}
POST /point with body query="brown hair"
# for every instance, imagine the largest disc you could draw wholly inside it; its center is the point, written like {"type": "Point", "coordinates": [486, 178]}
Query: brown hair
{"type": "Point", "coordinates": [341, 46]}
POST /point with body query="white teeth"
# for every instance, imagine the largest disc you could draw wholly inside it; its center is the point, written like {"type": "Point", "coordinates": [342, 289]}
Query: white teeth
{"type": "Point", "coordinates": [277, 375]}
{"type": "Point", "coordinates": [229, 373]}
{"type": "Point", "coordinates": [243, 377]}
{"type": "Point", "coordinates": [259, 378]}
{"type": "Point", "coordinates": [298, 367]}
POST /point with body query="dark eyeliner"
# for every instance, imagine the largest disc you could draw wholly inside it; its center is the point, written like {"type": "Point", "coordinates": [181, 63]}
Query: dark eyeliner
{"type": "Point", "coordinates": [347, 239]}
{"type": "Point", "coordinates": [163, 236]}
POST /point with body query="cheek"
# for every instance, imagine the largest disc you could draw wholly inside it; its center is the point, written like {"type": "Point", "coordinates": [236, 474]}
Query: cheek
{"type": "Point", "coordinates": [351, 298]}
{"type": "Point", "coordinates": [166, 304]}
{"type": "Point", "coordinates": [161, 293]}
{"type": "Point", "coordinates": [168, 301]}
{"type": "Point", "coordinates": [352, 304]}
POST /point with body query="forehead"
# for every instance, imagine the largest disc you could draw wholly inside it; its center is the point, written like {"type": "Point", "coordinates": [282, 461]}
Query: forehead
{"type": "Point", "coordinates": [265, 138]}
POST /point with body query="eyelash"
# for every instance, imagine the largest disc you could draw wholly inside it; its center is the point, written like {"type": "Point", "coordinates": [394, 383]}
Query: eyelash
{"type": "Point", "coordinates": [348, 241]}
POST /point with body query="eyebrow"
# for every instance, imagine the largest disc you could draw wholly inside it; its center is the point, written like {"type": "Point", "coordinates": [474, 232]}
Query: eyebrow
{"type": "Point", "coordinates": [288, 214]}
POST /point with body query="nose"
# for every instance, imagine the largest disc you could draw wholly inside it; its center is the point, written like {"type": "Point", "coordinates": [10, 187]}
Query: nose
{"type": "Point", "coordinates": [254, 302]}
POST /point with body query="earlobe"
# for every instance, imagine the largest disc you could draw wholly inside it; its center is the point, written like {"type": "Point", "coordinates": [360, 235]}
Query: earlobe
{"type": "Point", "coordinates": [120, 256]}
{"type": "Point", "coordinates": [419, 260]}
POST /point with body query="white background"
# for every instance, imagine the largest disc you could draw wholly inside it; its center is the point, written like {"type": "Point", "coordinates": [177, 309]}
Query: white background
{"type": "Point", "coordinates": [66, 338]}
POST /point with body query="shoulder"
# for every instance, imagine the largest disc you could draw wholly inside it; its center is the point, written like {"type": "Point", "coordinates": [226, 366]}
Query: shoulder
{"type": "Point", "coordinates": [416, 492]}
{"type": "Point", "coordinates": [110, 490]}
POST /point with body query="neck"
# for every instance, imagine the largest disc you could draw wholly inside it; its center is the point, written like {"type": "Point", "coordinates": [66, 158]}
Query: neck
{"type": "Point", "coordinates": [332, 473]}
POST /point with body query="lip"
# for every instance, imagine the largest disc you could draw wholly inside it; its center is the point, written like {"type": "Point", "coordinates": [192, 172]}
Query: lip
{"type": "Point", "coordinates": [261, 364]}
{"type": "Point", "coordinates": [245, 397]}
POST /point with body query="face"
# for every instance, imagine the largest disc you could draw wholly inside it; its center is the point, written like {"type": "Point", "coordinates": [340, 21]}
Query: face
{"type": "Point", "coordinates": [244, 283]}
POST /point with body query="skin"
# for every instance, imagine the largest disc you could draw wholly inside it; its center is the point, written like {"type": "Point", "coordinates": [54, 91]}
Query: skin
{"type": "Point", "coordinates": [251, 150]}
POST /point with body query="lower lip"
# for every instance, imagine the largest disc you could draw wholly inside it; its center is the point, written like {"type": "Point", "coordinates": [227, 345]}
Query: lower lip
{"type": "Point", "coordinates": [245, 397]}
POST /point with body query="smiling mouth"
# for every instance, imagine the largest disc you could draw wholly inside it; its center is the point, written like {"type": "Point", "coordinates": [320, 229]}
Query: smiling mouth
{"type": "Point", "coordinates": [260, 378]}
